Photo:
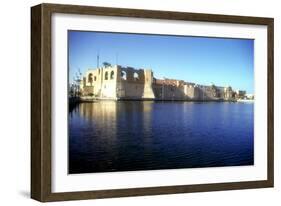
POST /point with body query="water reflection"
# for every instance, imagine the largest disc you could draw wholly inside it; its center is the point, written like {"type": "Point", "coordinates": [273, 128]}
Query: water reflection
{"type": "Point", "coordinates": [100, 115]}
{"type": "Point", "coordinates": [141, 135]}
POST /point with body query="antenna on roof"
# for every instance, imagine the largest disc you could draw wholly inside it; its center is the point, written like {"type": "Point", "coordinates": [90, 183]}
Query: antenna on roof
{"type": "Point", "coordinates": [98, 60]}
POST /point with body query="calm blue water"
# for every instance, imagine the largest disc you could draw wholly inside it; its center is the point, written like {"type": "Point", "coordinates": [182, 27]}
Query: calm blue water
{"type": "Point", "coordinates": [142, 135]}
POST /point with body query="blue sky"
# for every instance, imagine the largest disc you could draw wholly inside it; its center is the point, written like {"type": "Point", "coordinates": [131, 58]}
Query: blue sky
{"type": "Point", "coordinates": [200, 60]}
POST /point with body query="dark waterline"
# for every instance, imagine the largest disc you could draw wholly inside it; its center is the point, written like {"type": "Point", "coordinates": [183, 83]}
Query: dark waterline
{"type": "Point", "coordinates": [142, 135]}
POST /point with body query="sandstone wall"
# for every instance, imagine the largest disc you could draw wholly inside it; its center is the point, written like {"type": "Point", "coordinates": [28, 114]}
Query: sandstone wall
{"type": "Point", "coordinates": [116, 82]}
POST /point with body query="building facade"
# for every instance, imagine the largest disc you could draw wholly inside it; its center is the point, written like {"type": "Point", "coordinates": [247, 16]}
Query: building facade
{"type": "Point", "coordinates": [117, 82]}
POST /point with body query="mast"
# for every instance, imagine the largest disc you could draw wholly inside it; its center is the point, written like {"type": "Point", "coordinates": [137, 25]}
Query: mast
{"type": "Point", "coordinates": [98, 60]}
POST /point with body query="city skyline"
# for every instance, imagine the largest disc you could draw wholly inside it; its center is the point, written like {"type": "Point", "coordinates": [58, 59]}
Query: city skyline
{"type": "Point", "coordinates": [201, 60]}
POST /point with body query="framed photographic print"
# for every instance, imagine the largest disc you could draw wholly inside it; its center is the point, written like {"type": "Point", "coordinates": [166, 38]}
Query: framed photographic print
{"type": "Point", "coordinates": [129, 102]}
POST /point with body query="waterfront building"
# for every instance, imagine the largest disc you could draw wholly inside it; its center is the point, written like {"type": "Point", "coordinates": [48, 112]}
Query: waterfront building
{"type": "Point", "coordinates": [117, 82]}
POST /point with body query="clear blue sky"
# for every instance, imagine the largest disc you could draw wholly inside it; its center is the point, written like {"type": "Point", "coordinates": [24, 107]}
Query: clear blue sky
{"type": "Point", "coordinates": [200, 60]}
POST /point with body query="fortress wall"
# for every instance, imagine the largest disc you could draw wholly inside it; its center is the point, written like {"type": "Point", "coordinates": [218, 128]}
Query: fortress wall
{"type": "Point", "coordinates": [114, 82]}
{"type": "Point", "coordinates": [130, 83]}
{"type": "Point", "coordinates": [88, 90]}
{"type": "Point", "coordinates": [221, 92]}
{"type": "Point", "coordinates": [100, 82]}
{"type": "Point", "coordinates": [208, 93]}
{"type": "Point", "coordinates": [109, 90]}
{"type": "Point", "coordinates": [187, 91]}
{"type": "Point", "coordinates": [148, 91]}
{"type": "Point", "coordinates": [169, 92]}
{"type": "Point", "coordinates": [157, 90]}
{"type": "Point", "coordinates": [92, 79]}
{"type": "Point", "coordinates": [134, 84]}
{"type": "Point", "coordinates": [109, 83]}
{"type": "Point", "coordinates": [173, 93]}
{"type": "Point", "coordinates": [132, 90]}
{"type": "Point", "coordinates": [191, 92]}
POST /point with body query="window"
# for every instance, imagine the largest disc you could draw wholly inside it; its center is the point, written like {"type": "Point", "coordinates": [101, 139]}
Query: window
{"type": "Point", "coordinates": [112, 75]}
{"type": "Point", "coordinates": [123, 75]}
{"type": "Point", "coordinates": [106, 76]}
{"type": "Point", "coordinates": [95, 78]}
{"type": "Point", "coordinates": [90, 78]}
{"type": "Point", "coordinates": [136, 76]}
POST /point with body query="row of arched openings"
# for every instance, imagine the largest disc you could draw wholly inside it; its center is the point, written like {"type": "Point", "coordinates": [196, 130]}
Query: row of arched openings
{"type": "Point", "coordinates": [90, 78]}
{"type": "Point", "coordinates": [106, 77]}
{"type": "Point", "coordinates": [124, 75]}
{"type": "Point", "coordinates": [111, 75]}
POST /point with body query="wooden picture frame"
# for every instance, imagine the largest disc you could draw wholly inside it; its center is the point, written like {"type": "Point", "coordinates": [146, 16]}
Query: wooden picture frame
{"type": "Point", "coordinates": [41, 96]}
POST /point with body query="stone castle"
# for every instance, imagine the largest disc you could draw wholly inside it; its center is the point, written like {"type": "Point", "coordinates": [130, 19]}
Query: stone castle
{"type": "Point", "coordinates": [117, 83]}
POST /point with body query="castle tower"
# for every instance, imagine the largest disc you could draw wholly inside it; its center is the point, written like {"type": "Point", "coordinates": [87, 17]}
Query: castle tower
{"type": "Point", "coordinates": [148, 79]}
